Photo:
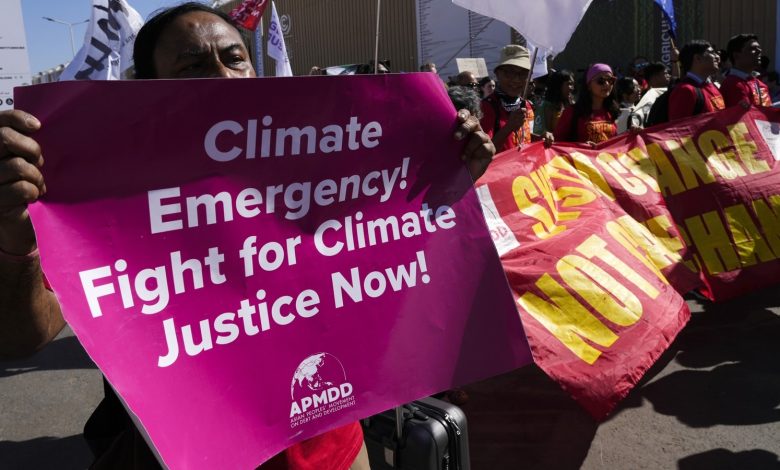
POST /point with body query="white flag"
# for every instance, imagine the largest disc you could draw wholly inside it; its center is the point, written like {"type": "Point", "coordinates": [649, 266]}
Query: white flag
{"type": "Point", "coordinates": [548, 24]}
{"type": "Point", "coordinates": [108, 45]}
{"type": "Point", "coordinates": [540, 66]}
{"type": "Point", "coordinates": [276, 48]}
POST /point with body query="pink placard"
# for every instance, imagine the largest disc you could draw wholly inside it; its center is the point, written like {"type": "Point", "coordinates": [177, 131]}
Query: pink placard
{"type": "Point", "coordinates": [253, 262]}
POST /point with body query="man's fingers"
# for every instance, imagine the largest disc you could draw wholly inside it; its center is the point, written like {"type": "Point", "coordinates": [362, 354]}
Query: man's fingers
{"type": "Point", "coordinates": [14, 196]}
{"type": "Point", "coordinates": [466, 124]}
{"type": "Point", "coordinates": [17, 169]}
{"type": "Point", "coordinates": [19, 120]}
{"type": "Point", "coordinates": [474, 145]}
{"type": "Point", "coordinates": [13, 143]}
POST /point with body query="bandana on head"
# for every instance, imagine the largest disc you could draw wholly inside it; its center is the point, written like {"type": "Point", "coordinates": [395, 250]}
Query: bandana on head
{"type": "Point", "coordinates": [596, 69]}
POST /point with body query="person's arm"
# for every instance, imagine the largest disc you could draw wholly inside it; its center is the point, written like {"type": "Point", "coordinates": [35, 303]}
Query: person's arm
{"type": "Point", "coordinates": [30, 316]}
{"type": "Point", "coordinates": [562, 130]}
{"type": "Point", "coordinates": [513, 124]}
{"type": "Point", "coordinates": [735, 92]}
{"type": "Point", "coordinates": [674, 58]}
{"type": "Point", "coordinates": [479, 149]}
{"type": "Point", "coordinates": [682, 101]}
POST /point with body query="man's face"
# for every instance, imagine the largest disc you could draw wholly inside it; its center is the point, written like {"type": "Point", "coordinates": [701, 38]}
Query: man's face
{"type": "Point", "coordinates": [749, 58]}
{"type": "Point", "coordinates": [201, 45]}
{"type": "Point", "coordinates": [707, 63]}
{"type": "Point", "coordinates": [512, 79]}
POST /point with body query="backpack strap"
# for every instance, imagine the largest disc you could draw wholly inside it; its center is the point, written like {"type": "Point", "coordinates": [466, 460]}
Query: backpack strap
{"type": "Point", "coordinates": [699, 106]}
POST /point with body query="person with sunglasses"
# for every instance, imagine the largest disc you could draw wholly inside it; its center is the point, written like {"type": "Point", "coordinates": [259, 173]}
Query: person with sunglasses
{"type": "Point", "coordinates": [591, 119]}
{"type": "Point", "coordinates": [467, 79]}
{"type": "Point", "coordinates": [507, 117]}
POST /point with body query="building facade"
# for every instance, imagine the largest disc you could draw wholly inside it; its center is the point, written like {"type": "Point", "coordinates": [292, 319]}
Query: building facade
{"type": "Point", "coordinates": [337, 32]}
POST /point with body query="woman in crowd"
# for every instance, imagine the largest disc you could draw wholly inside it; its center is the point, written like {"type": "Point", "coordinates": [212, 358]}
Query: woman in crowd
{"type": "Point", "coordinates": [591, 119]}
{"type": "Point", "coordinates": [559, 95]}
{"type": "Point", "coordinates": [628, 91]}
{"type": "Point", "coordinates": [486, 86]}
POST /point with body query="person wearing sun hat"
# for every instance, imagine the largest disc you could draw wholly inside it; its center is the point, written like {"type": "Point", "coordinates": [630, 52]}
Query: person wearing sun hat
{"type": "Point", "coordinates": [506, 117]}
{"type": "Point", "coordinates": [592, 118]}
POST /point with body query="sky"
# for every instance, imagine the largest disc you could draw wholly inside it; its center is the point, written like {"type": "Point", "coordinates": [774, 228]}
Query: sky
{"type": "Point", "coordinates": [49, 43]}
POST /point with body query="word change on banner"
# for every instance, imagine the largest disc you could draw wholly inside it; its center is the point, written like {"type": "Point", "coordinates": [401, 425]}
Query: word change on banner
{"type": "Point", "coordinates": [719, 174]}
{"type": "Point", "coordinates": [248, 274]}
{"type": "Point", "coordinates": [587, 277]}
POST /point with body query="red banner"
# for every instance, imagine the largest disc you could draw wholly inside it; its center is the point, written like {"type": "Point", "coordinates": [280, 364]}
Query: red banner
{"type": "Point", "coordinates": [248, 13]}
{"type": "Point", "coordinates": [587, 277]}
{"type": "Point", "coordinates": [593, 239]}
{"type": "Point", "coordinates": [720, 177]}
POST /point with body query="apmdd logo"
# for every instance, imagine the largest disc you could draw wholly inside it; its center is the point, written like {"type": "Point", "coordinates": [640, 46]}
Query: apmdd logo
{"type": "Point", "coordinates": [319, 387]}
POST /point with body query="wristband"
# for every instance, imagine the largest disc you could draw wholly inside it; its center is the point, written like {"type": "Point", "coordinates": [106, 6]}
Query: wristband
{"type": "Point", "coordinates": [31, 256]}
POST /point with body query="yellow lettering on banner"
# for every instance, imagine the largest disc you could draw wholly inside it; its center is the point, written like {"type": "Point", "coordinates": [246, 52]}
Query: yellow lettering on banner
{"type": "Point", "coordinates": [668, 179]}
{"type": "Point", "coordinates": [587, 280]}
{"type": "Point", "coordinates": [712, 242]}
{"type": "Point", "coordinates": [698, 265]}
{"type": "Point", "coordinates": [746, 148]}
{"type": "Point", "coordinates": [567, 319]}
{"type": "Point", "coordinates": [638, 167]}
{"type": "Point", "coordinates": [631, 184]}
{"type": "Point", "coordinates": [750, 245]}
{"type": "Point", "coordinates": [659, 227]}
{"type": "Point", "coordinates": [591, 174]}
{"type": "Point", "coordinates": [538, 186]}
{"type": "Point", "coordinates": [524, 192]}
{"type": "Point", "coordinates": [633, 236]}
{"type": "Point", "coordinates": [570, 196]}
{"type": "Point", "coordinates": [690, 162]}
{"type": "Point", "coordinates": [596, 247]}
{"type": "Point", "coordinates": [768, 215]}
{"type": "Point", "coordinates": [712, 144]}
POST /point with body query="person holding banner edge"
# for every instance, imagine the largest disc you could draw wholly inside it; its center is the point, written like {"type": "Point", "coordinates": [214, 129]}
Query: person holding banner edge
{"type": "Point", "coordinates": [507, 116]}
{"type": "Point", "coordinates": [187, 41]}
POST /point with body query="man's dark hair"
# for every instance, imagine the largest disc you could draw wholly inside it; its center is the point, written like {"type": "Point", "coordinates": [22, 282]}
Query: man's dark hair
{"type": "Point", "coordinates": [624, 86]}
{"type": "Point", "coordinates": [146, 40]}
{"type": "Point", "coordinates": [697, 46]}
{"type": "Point", "coordinates": [654, 69]}
{"type": "Point", "coordinates": [554, 84]}
{"type": "Point", "coordinates": [736, 43]}
{"type": "Point", "coordinates": [465, 98]}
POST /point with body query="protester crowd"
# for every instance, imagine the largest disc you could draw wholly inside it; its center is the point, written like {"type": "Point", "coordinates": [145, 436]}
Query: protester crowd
{"type": "Point", "coordinates": [602, 103]}
{"type": "Point", "coordinates": [512, 111]}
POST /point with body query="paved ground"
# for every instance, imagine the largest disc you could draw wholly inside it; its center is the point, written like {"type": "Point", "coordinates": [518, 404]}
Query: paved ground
{"type": "Point", "coordinates": [712, 402]}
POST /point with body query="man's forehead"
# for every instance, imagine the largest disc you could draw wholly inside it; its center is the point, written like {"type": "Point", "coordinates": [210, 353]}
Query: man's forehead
{"type": "Point", "coordinates": [197, 28]}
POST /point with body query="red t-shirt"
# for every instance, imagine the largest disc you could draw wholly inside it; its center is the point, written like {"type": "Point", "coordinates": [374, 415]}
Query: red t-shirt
{"type": "Point", "coordinates": [752, 90]}
{"type": "Point", "coordinates": [334, 450]}
{"type": "Point", "coordinates": [597, 127]}
{"type": "Point", "coordinates": [682, 100]}
{"type": "Point", "coordinates": [488, 123]}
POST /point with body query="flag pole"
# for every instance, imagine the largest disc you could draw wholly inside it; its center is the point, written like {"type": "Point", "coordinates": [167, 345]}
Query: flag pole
{"type": "Point", "coordinates": [258, 37]}
{"type": "Point", "coordinates": [530, 72]}
{"type": "Point", "coordinates": [376, 43]}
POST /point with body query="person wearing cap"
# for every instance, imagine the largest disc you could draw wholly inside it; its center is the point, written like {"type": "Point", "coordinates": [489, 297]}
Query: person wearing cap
{"type": "Point", "coordinates": [591, 119]}
{"type": "Point", "coordinates": [507, 117]}
{"type": "Point", "coordinates": [742, 85]}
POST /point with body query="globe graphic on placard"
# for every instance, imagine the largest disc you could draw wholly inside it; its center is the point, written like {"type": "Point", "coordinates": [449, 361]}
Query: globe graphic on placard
{"type": "Point", "coordinates": [316, 373]}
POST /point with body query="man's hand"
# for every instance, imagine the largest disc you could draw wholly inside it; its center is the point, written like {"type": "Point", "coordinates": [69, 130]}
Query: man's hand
{"type": "Point", "coordinates": [516, 119]}
{"type": "Point", "coordinates": [479, 149]}
{"type": "Point", "coordinates": [21, 181]}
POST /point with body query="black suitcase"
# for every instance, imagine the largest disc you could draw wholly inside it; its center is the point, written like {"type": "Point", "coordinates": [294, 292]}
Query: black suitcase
{"type": "Point", "coordinates": [433, 436]}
